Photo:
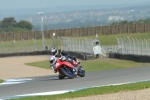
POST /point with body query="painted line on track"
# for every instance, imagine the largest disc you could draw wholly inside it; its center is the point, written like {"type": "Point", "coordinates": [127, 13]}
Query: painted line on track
{"type": "Point", "coordinates": [65, 91]}
{"type": "Point", "coordinates": [15, 81]}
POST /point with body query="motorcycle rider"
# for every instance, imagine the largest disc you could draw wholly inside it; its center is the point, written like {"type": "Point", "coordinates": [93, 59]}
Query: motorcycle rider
{"type": "Point", "coordinates": [68, 57]}
{"type": "Point", "coordinates": [55, 54]}
{"type": "Point", "coordinates": [59, 53]}
{"type": "Point", "coordinates": [53, 59]}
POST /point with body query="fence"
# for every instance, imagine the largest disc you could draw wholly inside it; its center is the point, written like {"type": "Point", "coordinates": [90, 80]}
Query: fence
{"type": "Point", "coordinates": [79, 44]}
{"type": "Point", "coordinates": [78, 32]}
{"type": "Point", "coordinates": [24, 46]}
{"type": "Point", "coordinates": [125, 45]}
{"type": "Point", "coordinates": [110, 48]}
{"type": "Point", "coordinates": [133, 46]}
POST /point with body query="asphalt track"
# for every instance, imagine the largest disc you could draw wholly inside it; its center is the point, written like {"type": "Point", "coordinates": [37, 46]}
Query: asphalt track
{"type": "Point", "coordinates": [52, 83]}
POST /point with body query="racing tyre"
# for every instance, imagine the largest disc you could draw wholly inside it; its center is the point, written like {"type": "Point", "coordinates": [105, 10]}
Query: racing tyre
{"type": "Point", "coordinates": [61, 76]}
{"type": "Point", "coordinates": [81, 72]}
{"type": "Point", "coordinates": [67, 73]}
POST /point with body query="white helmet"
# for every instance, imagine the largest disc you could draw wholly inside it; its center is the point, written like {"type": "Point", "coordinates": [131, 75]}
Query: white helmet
{"type": "Point", "coordinates": [54, 51]}
{"type": "Point", "coordinates": [63, 58]}
{"type": "Point", "coordinates": [51, 59]}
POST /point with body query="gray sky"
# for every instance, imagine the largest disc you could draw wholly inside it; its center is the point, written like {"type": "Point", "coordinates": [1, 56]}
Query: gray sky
{"type": "Point", "coordinates": [14, 4]}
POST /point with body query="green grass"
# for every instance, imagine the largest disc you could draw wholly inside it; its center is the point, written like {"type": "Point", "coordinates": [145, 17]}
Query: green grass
{"type": "Point", "coordinates": [99, 64]}
{"type": "Point", "coordinates": [1, 81]}
{"type": "Point", "coordinates": [23, 45]}
{"type": "Point", "coordinates": [95, 65]}
{"type": "Point", "coordinates": [94, 91]}
{"type": "Point", "coordinates": [41, 64]}
{"type": "Point", "coordinates": [29, 44]}
{"type": "Point", "coordinates": [111, 39]}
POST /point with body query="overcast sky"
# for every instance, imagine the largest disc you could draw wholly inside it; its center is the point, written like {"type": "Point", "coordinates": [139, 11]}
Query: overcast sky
{"type": "Point", "coordinates": [13, 4]}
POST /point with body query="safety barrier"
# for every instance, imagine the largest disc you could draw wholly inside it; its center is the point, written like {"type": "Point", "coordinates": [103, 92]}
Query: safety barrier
{"type": "Point", "coordinates": [79, 44]}
{"type": "Point", "coordinates": [137, 58]}
{"type": "Point", "coordinates": [135, 46]}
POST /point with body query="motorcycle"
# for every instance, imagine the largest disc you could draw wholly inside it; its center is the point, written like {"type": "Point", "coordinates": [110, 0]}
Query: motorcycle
{"type": "Point", "coordinates": [68, 69]}
{"type": "Point", "coordinates": [65, 69]}
{"type": "Point", "coordinates": [79, 68]}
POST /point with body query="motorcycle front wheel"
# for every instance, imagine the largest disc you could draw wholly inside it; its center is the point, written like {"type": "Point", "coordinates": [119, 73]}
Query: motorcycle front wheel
{"type": "Point", "coordinates": [61, 76]}
{"type": "Point", "coordinates": [67, 72]}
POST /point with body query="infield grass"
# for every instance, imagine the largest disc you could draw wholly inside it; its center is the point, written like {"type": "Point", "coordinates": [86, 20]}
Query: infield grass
{"type": "Point", "coordinates": [95, 65]}
{"type": "Point", "coordinates": [30, 45]}
{"type": "Point", "coordinates": [98, 64]}
{"type": "Point", "coordinates": [93, 91]}
{"type": "Point", "coordinates": [111, 39]}
{"type": "Point", "coordinates": [1, 81]}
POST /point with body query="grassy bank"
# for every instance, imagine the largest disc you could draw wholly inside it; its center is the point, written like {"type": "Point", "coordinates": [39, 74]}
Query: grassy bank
{"type": "Point", "coordinates": [99, 64]}
{"type": "Point", "coordinates": [93, 91]}
{"type": "Point", "coordinates": [30, 45]}
{"type": "Point", "coordinates": [111, 39]}
{"type": "Point", "coordinates": [1, 81]}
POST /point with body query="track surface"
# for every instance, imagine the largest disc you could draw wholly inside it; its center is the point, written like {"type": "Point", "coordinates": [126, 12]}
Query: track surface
{"type": "Point", "coordinates": [52, 83]}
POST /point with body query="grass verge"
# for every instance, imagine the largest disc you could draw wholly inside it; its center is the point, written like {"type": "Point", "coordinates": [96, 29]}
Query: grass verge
{"type": "Point", "coordinates": [111, 39]}
{"type": "Point", "coordinates": [29, 45]}
{"type": "Point", "coordinates": [94, 91]}
{"type": "Point", "coordinates": [1, 81]}
{"type": "Point", "coordinates": [99, 64]}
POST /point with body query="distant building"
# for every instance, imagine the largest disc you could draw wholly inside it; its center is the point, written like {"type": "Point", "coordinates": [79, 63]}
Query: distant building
{"type": "Point", "coordinates": [115, 18]}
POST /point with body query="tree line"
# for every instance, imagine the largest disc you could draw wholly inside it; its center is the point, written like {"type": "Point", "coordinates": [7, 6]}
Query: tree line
{"type": "Point", "coordinates": [8, 25]}
{"type": "Point", "coordinates": [11, 25]}
{"type": "Point", "coordinates": [131, 22]}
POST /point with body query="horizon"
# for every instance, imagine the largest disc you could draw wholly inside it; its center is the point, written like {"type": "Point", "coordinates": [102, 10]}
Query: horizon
{"type": "Point", "coordinates": [19, 4]}
{"type": "Point", "coordinates": [53, 13]}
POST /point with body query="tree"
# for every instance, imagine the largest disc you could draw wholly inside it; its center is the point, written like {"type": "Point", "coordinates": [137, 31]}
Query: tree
{"type": "Point", "coordinates": [25, 24]}
{"type": "Point", "coordinates": [124, 22]}
{"type": "Point", "coordinates": [11, 25]}
{"type": "Point", "coordinates": [9, 22]}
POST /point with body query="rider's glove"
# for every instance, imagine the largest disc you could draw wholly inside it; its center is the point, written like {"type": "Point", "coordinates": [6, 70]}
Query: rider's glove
{"type": "Point", "coordinates": [63, 58]}
{"type": "Point", "coordinates": [51, 65]}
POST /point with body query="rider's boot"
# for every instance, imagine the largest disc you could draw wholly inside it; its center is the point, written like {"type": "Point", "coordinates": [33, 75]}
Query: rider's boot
{"type": "Point", "coordinates": [78, 62]}
{"type": "Point", "coordinates": [53, 68]}
{"type": "Point", "coordinates": [75, 71]}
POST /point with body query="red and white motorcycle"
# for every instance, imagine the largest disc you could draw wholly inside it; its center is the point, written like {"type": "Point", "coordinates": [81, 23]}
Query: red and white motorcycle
{"type": "Point", "coordinates": [68, 69]}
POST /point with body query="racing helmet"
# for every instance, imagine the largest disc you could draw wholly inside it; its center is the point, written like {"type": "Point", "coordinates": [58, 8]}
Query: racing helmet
{"type": "Point", "coordinates": [51, 59]}
{"type": "Point", "coordinates": [54, 51]}
{"type": "Point", "coordinates": [63, 52]}
{"type": "Point", "coordinates": [63, 58]}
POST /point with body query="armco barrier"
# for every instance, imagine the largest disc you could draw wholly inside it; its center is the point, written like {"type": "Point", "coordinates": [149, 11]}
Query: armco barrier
{"type": "Point", "coordinates": [137, 58]}
{"type": "Point", "coordinates": [79, 55]}
{"type": "Point", "coordinates": [25, 53]}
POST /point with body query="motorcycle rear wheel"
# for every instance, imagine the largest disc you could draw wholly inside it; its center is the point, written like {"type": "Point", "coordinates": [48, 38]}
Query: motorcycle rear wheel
{"type": "Point", "coordinates": [81, 71]}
